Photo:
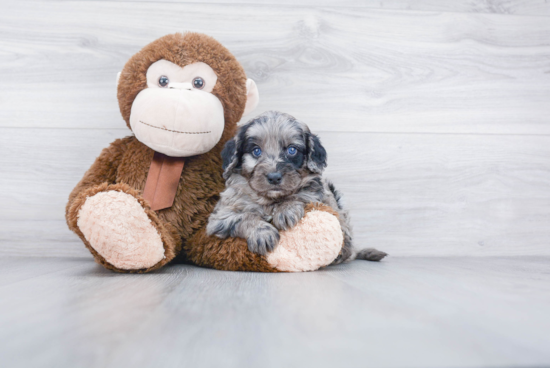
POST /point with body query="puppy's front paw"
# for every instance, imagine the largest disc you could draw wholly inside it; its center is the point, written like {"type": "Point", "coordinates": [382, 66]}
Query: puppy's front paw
{"type": "Point", "coordinates": [288, 216]}
{"type": "Point", "coordinates": [263, 239]}
{"type": "Point", "coordinates": [218, 228]}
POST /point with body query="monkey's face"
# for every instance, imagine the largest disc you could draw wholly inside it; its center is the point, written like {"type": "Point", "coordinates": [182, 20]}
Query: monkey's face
{"type": "Point", "coordinates": [184, 93]}
{"type": "Point", "coordinates": [177, 114]}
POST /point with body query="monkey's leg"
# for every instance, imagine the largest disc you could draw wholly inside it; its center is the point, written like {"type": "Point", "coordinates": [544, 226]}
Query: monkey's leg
{"type": "Point", "coordinates": [229, 254]}
{"type": "Point", "coordinates": [313, 243]}
{"type": "Point", "coordinates": [120, 229]}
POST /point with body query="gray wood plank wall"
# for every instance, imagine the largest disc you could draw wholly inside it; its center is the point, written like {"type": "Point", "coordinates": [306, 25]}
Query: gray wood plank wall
{"type": "Point", "coordinates": [435, 114]}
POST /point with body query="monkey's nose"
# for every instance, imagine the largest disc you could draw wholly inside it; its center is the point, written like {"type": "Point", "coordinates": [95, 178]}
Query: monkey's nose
{"type": "Point", "coordinates": [274, 178]}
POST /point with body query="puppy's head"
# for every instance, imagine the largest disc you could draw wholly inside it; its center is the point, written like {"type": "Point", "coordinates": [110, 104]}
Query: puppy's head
{"type": "Point", "coordinates": [276, 153]}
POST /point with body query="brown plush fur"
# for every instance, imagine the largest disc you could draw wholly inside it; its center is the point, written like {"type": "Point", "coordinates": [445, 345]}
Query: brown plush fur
{"type": "Point", "coordinates": [124, 165]}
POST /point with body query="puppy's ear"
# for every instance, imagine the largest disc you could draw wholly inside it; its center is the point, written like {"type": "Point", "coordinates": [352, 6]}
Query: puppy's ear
{"type": "Point", "coordinates": [229, 157]}
{"type": "Point", "coordinates": [316, 154]}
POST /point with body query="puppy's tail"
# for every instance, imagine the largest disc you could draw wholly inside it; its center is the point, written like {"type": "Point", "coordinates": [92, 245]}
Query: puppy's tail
{"type": "Point", "coordinates": [370, 254]}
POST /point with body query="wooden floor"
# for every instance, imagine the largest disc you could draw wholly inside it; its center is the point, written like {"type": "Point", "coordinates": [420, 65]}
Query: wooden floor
{"type": "Point", "coordinates": [403, 312]}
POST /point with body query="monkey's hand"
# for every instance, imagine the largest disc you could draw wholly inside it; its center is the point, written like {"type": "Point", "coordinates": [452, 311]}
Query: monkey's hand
{"type": "Point", "coordinates": [287, 214]}
{"type": "Point", "coordinates": [263, 238]}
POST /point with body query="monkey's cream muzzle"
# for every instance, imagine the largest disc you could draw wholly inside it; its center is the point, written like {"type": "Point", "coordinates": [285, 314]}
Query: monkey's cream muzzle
{"type": "Point", "coordinates": [178, 122]}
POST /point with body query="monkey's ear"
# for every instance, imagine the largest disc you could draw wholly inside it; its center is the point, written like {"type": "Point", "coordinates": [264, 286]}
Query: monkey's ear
{"type": "Point", "coordinates": [229, 157]}
{"type": "Point", "coordinates": [316, 154]}
{"type": "Point", "coordinates": [117, 78]}
{"type": "Point", "coordinates": [252, 96]}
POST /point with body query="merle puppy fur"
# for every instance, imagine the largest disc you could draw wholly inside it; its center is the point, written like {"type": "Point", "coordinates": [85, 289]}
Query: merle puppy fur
{"type": "Point", "coordinates": [273, 168]}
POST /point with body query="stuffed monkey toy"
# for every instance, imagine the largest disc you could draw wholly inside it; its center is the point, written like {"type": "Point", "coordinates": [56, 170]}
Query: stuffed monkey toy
{"type": "Point", "coordinates": [147, 197]}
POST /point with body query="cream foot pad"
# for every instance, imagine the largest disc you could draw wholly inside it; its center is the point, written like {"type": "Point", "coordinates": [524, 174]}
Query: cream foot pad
{"type": "Point", "coordinates": [117, 227]}
{"type": "Point", "coordinates": [314, 242]}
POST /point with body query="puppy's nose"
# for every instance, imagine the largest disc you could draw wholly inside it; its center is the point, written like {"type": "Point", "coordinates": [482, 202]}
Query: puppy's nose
{"type": "Point", "coordinates": [274, 178]}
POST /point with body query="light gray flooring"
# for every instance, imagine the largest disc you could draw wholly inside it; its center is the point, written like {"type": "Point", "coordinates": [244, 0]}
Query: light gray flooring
{"type": "Point", "coordinates": [403, 312]}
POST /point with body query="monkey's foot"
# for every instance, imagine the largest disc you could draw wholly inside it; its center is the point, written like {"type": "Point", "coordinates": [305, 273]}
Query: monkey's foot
{"type": "Point", "coordinates": [117, 227]}
{"type": "Point", "coordinates": [314, 242]}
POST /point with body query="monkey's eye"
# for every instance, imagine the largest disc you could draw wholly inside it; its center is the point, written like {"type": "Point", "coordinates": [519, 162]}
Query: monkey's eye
{"type": "Point", "coordinates": [257, 152]}
{"type": "Point", "coordinates": [163, 81]}
{"type": "Point", "coordinates": [198, 83]}
{"type": "Point", "coordinates": [291, 150]}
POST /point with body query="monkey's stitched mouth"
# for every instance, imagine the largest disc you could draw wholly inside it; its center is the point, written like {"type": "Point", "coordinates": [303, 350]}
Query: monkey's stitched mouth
{"type": "Point", "coordinates": [173, 131]}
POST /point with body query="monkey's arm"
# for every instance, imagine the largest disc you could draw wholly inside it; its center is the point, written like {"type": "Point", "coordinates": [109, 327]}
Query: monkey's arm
{"type": "Point", "coordinates": [102, 172]}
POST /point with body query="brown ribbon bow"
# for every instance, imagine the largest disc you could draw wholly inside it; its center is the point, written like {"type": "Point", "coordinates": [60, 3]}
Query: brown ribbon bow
{"type": "Point", "coordinates": [163, 180]}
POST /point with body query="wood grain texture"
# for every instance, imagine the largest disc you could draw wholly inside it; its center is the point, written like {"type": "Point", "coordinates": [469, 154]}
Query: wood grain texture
{"type": "Point", "coordinates": [512, 7]}
{"type": "Point", "coordinates": [436, 122]}
{"type": "Point", "coordinates": [402, 312]}
{"type": "Point", "coordinates": [344, 68]}
{"type": "Point", "coordinates": [409, 194]}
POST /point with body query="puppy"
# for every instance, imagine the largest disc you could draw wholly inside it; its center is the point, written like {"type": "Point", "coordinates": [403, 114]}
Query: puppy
{"type": "Point", "coordinates": [273, 168]}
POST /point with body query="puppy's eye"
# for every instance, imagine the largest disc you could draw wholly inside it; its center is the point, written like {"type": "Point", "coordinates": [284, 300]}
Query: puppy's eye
{"type": "Point", "coordinates": [291, 150]}
{"type": "Point", "coordinates": [257, 152]}
{"type": "Point", "coordinates": [163, 81]}
{"type": "Point", "coordinates": [198, 83]}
